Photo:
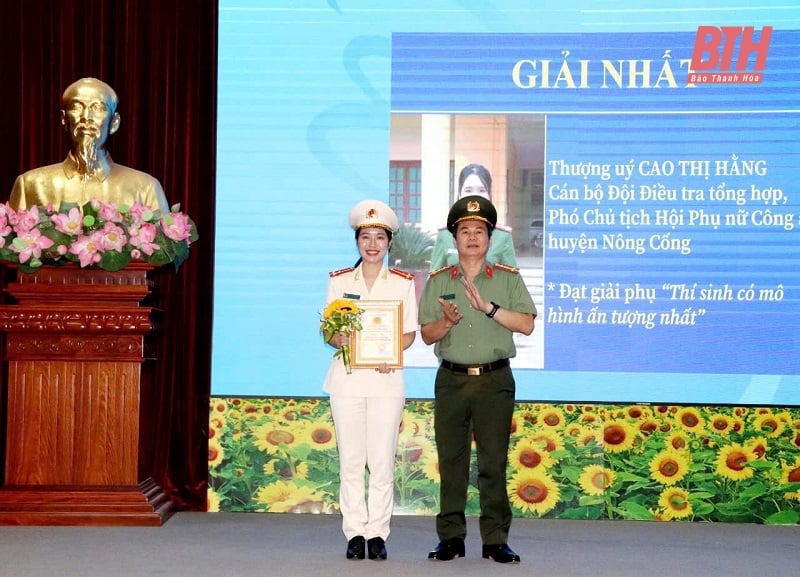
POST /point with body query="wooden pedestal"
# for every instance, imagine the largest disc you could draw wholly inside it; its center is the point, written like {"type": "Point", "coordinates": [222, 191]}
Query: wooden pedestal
{"type": "Point", "coordinates": [79, 407]}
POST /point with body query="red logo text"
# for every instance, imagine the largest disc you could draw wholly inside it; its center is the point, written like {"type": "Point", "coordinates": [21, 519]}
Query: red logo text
{"type": "Point", "coordinates": [722, 55]}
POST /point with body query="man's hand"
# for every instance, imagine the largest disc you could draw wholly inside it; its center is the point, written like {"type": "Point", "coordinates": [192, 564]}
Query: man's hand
{"type": "Point", "coordinates": [474, 297]}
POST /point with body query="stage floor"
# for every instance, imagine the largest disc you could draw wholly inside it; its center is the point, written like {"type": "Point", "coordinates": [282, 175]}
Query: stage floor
{"type": "Point", "coordinates": [244, 544]}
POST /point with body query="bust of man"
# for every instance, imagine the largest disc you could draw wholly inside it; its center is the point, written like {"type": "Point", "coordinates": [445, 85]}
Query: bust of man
{"type": "Point", "coordinates": [89, 115]}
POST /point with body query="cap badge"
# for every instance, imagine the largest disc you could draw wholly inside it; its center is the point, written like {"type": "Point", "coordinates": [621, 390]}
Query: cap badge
{"type": "Point", "coordinates": [372, 213]}
{"type": "Point", "coordinates": [473, 206]}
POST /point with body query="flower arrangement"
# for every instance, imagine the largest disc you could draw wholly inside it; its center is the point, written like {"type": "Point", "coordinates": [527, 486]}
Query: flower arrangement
{"type": "Point", "coordinates": [340, 316]}
{"type": "Point", "coordinates": [95, 234]}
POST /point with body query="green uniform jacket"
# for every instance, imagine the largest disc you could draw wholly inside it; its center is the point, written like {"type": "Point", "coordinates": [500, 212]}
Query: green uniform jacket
{"type": "Point", "coordinates": [476, 339]}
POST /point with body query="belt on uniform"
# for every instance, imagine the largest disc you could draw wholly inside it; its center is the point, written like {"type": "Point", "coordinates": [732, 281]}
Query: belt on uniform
{"type": "Point", "coordinates": [475, 370]}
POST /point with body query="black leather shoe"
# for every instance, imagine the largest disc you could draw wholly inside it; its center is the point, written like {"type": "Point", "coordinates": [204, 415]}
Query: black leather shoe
{"type": "Point", "coordinates": [376, 548]}
{"type": "Point", "coordinates": [448, 549]}
{"type": "Point", "coordinates": [500, 553]}
{"type": "Point", "coordinates": [356, 547]}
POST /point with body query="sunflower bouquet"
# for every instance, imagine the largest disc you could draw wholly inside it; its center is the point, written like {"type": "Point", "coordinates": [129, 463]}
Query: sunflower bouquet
{"type": "Point", "coordinates": [340, 316]}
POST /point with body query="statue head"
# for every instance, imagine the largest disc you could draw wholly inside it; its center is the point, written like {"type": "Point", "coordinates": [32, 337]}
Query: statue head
{"type": "Point", "coordinates": [89, 115]}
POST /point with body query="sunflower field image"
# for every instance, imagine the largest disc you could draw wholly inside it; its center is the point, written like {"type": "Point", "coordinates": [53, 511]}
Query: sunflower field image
{"type": "Point", "coordinates": [565, 461]}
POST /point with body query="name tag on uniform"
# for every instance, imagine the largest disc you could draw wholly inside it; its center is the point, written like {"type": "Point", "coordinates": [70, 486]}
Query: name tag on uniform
{"type": "Point", "coordinates": [351, 296]}
{"type": "Point", "coordinates": [449, 297]}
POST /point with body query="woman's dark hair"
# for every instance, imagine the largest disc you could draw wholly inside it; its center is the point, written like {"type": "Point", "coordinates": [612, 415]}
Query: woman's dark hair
{"type": "Point", "coordinates": [388, 236]}
{"type": "Point", "coordinates": [482, 172]}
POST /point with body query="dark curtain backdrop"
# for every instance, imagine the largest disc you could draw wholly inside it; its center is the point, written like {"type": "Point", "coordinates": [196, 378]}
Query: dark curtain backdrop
{"type": "Point", "coordinates": [160, 58]}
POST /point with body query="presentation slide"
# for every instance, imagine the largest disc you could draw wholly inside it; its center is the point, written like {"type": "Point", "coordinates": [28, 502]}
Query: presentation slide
{"type": "Point", "coordinates": [645, 159]}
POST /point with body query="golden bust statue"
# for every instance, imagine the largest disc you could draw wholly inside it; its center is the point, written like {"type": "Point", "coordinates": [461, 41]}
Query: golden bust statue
{"type": "Point", "coordinates": [89, 114]}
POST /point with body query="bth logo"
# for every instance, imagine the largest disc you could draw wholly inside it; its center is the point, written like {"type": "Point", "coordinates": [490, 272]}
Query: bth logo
{"type": "Point", "coordinates": [721, 55]}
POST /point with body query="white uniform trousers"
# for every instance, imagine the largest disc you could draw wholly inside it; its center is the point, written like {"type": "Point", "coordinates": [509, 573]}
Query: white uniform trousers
{"type": "Point", "coordinates": [367, 429]}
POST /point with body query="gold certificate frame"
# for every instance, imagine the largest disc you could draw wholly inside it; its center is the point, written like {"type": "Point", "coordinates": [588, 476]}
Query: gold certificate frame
{"type": "Point", "coordinates": [380, 339]}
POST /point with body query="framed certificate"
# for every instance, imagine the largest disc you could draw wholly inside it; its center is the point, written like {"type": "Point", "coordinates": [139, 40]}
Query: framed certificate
{"type": "Point", "coordinates": [380, 339]}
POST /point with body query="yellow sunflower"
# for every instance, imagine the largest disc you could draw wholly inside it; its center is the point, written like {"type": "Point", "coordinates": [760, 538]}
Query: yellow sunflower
{"type": "Point", "coordinates": [250, 410]}
{"type": "Point", "coordinates": [669, 466]}
{"type": "Point", "coordinates": [285, 497]}
{"type": "Point", "coordinates": [319, 435]}
{"type": "Point", "coordinates": [412, 451]}
{"type": "Point", "coordinates": [589, 435]}
{"type": "Point", "coordinates": [637, 412]}
{"type": "Point", "coordinates": [533, 492]}
{"type": "Point", "coordinates": [212, 501]}
{"type": "Point", "coordinates": [548, 440]}
{"type": "Point", "coordinates": [552, 418]}
{"type": "Point", "coordinates": [215, 453]}
{"type": "Point", "coordinates": [430, 468]}
{"type": "Point", "coordinates": [528, 454]}
{"type": "Point", "coordinates": [413, 426]}
{"type": "Point", "coordinates": [648, 426]}
{"type": "Point", "coordinates": [618, 436]}
{"type": "Point", "coordinates": [769, 424]}
{"type": "Point", "coordinates": [732, 462]}
{"type": "Point", "coordinates": [720, 423]}
{"type": "Point", "coordinates": [283, 468]}
{"type": "Point", "coordinates": [790, 473]}
{"type": "Point", "coordinates": [219, 406]}
{"type": "Point", "coordinates": [677, 441]}
{"type": "Point", "coordinates": [675, 504]}
{"type": "Point", "coordinates": [690, 420]}
{"type": "Point", "coordinates": [758, 445]}
{"type": "Point", "coordinates": [595, 479]}
{"type": "Point", "coordinates": [269, 438]}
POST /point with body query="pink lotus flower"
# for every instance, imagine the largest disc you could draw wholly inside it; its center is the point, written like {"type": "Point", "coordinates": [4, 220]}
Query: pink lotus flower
{"type": "Point", "coordinates": [176, 226]}
{"type": "Point", "coordinates": [111, 237]}
{"type": "Point", "coordinates": [143, 238]}
{"type": "Point", "coordinates": [108, 211]}
{"type": "Point", "coordinates": [25, 220]}
{"type": "Point", "coordinates": [70, 223]}
{"type": "Point", "coordinates": [30, 244]}
{"type": "Point", "coordinates": [138, 211]}
{"type": "Point", "coordinates": [86, 249]}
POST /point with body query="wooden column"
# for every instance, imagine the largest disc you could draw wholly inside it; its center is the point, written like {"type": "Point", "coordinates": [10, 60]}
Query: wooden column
{"type": "Point", "coordinates": [80, 405]}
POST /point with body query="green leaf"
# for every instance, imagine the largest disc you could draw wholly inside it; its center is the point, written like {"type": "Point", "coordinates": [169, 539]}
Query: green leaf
{"type": "Point", "coordinates": [788, 517]}
{"type": "Point", "coordinates": [114, 261]}
{"type": "Point", "coordinates": [581, 513]}
{"type": "Point", "coordinates": [634, 511]}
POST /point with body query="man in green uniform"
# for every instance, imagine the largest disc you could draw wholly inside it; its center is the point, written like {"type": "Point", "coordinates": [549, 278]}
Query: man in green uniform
{"type": "Point", "coordinates": [470, 311]}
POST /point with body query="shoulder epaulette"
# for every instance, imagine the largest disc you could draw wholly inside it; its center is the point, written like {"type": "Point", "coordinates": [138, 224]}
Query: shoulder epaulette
{"type": "Point", "coordinates": [504, 227]}
{"type": "Point", "coordinates": [402, 273]}
{"type": "Point", "coordinates": [438, 270]}
{"type": "Point", "coordinates": [507, 268]}
{"type": "Point", "coordinates": [334, 273]}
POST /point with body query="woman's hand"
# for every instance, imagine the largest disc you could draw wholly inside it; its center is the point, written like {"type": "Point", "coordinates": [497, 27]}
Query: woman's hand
{"type": "Point", "coordinates": [384, 369]}
{"type": "Point", "coordinates": [339, 340]}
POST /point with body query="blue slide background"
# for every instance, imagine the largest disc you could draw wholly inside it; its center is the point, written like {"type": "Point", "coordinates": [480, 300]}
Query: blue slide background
{"type": "Point", "coordinates": [305, 94]}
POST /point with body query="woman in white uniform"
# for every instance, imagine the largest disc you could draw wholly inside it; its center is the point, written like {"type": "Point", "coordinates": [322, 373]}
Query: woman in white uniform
{"type": "Point", "coordinates": [367, 404]}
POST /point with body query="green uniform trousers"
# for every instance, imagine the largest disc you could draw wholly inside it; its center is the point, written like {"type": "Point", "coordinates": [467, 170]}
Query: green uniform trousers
{"type": "Point", "coordinates": [483, 406]}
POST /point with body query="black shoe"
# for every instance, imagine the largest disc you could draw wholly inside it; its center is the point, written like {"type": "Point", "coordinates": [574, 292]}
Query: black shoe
{"type": "Point", "coordinates": [355, 548]}
{"type": "Point", "coordinates": [500, 553]}
{"type": "Point", "coordinates": [448, 549]}
{"type": "Point", "coordinates": [376, 548]}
